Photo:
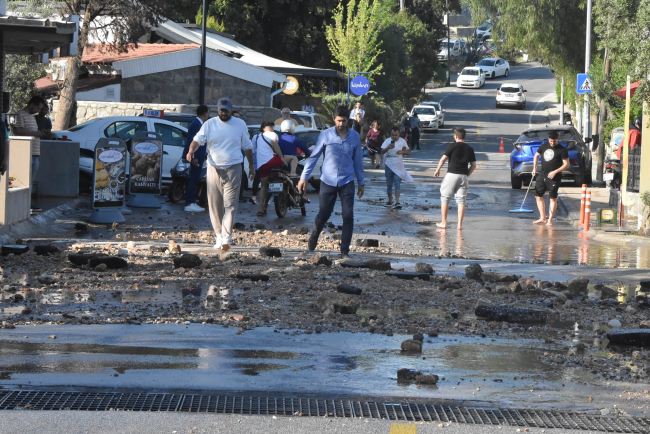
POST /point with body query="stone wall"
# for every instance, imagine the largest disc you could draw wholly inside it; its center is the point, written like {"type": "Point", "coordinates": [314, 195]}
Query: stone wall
{"type": "Point", "coordinates": [86, 110]}
{"type": "Point", "coordinates": [181, 86]}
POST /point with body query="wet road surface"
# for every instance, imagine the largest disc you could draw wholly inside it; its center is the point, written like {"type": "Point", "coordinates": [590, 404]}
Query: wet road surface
{"type": "Point", "coordinates": [213, 358]}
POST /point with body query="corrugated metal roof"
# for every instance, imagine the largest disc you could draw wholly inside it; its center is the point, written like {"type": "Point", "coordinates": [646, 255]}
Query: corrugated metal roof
{"type": "Point", "coordinates": [101, 54]}
{"type": "Point", "coordinates": [178, 34]}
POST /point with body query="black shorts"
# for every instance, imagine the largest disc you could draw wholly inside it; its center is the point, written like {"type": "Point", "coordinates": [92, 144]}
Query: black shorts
{"type": "Point", "coordinates": [544, 184]}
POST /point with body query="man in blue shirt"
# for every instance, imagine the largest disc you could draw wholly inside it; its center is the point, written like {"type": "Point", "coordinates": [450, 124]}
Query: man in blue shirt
{"type": "Point", "coordinates": [289, 145]}
{"type": "Point", "coordinates": [200, 155]}
{"type": "Point", "coordinates": [342, 161]}
{"type": "Point", "coordinates": [414, 123]}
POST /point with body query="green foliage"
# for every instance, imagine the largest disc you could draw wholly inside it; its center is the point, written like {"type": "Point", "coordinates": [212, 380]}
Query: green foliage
{"type": "Point", "coordinates": [623, 26]}
{"type": "Point", "coordinates": [409, 57]}
{"type": "Point", "coordinates": [376, 109]}
{"type": "Point", "coordinates": [20, 74]}
{"type": "Point", "coordinates": [291, 30]}
{"type": "Point", "coordinates": [354, 37]}
{"type": "Point", "coordinates": [212, 21]}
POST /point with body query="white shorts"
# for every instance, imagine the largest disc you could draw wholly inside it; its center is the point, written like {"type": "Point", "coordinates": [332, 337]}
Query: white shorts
{"type": "Point", "coordinates": [454, 184]}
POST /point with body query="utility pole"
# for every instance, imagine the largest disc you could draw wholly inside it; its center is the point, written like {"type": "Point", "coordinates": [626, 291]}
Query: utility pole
{"type": "Point", "coordinates": [448, 49]}
{"type": "Point", "coordinates": [602, 116]}
{"type": "Point", "coordinates": [562, 103]}
{"type": "Point", "coordinates": [204, 10]}
{"type": "Point", "coordinates": [587, 126]}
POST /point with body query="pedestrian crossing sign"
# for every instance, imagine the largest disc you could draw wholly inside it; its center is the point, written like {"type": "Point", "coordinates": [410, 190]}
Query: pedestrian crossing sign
{"type": "Point", "coordinates": [584, 84]}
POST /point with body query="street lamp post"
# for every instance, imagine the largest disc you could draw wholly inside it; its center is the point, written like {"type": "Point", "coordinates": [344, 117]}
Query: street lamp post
{"type": "Point", "coordinates": [351, 72]}
{"type": "Point", "coordinates": [586, 122]}
{"type": "Point", "coordinates": [448, 49]}
{"type": "Point", "coordinates": [203, 53]}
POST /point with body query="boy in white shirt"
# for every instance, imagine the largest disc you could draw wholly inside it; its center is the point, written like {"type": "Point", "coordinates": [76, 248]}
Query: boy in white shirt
{"type": "Point", "coordinates": [268, 156]}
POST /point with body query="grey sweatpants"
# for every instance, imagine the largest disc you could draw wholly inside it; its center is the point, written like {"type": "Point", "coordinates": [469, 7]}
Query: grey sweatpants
{"type": "Point", "coordinates": [223, 198]}
{"type": "Point", "coordinates": [454, 184]}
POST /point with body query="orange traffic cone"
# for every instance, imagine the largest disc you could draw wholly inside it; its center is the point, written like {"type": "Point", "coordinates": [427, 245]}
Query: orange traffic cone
{"type": "Point", "coordinates": [501, 149]}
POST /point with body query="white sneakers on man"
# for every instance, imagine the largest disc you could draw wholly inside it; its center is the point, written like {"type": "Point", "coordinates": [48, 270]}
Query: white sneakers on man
{"type": "Point", "coordinates": [222, 244]}
{"type": "Point", "coordinates": [194, 208]}
{"type": "Point", "coordinates": [217, 245]}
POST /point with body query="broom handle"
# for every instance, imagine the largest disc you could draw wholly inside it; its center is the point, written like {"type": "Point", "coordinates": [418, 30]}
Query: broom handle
{"type": "Point", "coordinates": [529, 184]}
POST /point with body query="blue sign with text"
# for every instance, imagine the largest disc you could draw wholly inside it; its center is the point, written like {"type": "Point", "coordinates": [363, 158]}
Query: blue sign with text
{"type": "Point", "coordinates": [359, 85]}
{"type": "Point", "coordinates": [583, 84]}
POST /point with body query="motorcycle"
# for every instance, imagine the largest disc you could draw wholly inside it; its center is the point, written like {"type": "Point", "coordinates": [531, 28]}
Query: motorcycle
{"type": "Point", "coordinates": [284, 190]}
{"type": "Point", "coordinates": [612, 173]}
{"type": "Point", "coordinates": [180, 175]}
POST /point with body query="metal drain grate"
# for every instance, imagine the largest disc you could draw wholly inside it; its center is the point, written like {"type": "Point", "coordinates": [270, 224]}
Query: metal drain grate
{"type": "Point", "coordinates": [248, 405]}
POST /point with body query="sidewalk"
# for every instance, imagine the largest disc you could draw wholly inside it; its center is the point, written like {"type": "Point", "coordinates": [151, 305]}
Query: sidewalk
{"type": "Point", "coordinates": [570, 201]}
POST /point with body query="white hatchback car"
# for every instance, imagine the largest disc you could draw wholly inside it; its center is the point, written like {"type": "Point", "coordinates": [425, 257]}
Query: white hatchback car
{"type": "Point", "coordinates": [428, 116]}
{"type": "Point", "coordinates": [494, 67]}
{"type": "Point", "coordinates": [511, 95]}
{"type": "Point", "coordinates": [311, 120]}
{"type": "Point", "coordinates": [124, 127]}
{"type": "Point", "coordinates": [471, 76]}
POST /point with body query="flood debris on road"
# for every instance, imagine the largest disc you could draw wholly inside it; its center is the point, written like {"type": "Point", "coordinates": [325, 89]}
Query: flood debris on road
{"type": "Point", "coordinates": [161, 282]}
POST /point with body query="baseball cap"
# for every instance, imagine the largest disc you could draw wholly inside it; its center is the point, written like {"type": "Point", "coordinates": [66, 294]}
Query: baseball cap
{"type": "Point", "coordinates": [553, 135]}
{"type": "Point", "coordinates": [224, 103]}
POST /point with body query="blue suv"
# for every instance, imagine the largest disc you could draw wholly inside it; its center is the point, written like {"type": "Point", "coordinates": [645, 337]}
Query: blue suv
{"type": "Point", "coordinates": [521, 158]}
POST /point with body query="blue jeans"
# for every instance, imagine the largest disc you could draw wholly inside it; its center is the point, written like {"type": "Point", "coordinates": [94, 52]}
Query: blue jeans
{"type": "Point", "coordinates": [392, 180]}
{"type": "Point", "coordinates": [192, 182]}
{"type": "Point", "coordinates": [36, 162]}
{"type": "Point", "coordinates": [326, 206]}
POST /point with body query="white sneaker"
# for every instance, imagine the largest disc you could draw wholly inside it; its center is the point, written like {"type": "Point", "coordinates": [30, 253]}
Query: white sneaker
{"type": "Point", "coordinates": [217, 245]}
{"type": "Point", "coordinates": [194, 208]}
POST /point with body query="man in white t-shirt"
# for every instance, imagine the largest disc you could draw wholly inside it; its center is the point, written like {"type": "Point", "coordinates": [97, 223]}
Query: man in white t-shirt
{"type": "Point", "coordinates": [394, 149]}
{"type": "Point", "coordinates": [225, 138]}
{"type": "Point", "coordinates": [356, 110]}
{"type": "Point", "coordinates": [268, 156]}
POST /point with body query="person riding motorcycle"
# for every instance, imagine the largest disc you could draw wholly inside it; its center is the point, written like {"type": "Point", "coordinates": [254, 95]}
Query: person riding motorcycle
{"type": "Point", "coordinates": [634, 136]}
{"type": "Point", "coordinates": [289, 144]}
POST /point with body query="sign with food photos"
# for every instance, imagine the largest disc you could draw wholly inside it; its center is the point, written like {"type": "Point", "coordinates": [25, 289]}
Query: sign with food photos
{"type": "Point", "coordinates": [109, 173]}
{"type": "Point", "coordinates": [146, 163]}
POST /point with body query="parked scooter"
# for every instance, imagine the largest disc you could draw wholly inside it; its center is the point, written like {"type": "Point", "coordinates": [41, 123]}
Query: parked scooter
{"type": "Point", "coordinates": [180, 175]}
{"type": "Point", "coordinates": [612, 173]}
{"type": "Point", "coordinates": [284, 190]}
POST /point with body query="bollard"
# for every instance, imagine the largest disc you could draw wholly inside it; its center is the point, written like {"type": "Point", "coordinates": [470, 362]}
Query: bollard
{"type": "Point", "coordinates": [587, 211]}
{"type": "Point", "coordinates": [583, 195]}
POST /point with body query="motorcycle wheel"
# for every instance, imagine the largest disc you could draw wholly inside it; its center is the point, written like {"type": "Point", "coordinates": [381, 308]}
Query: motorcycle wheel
{"type": "Point", "coordinates": [176, 191]}
{"type": "Point", "coordinates": [280, 202]}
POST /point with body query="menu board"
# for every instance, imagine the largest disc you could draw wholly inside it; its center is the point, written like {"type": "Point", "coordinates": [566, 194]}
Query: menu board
{"type": "Point", "coordinates": [109, 175]}
{"type": "Point", "coordinates": [146, 161]}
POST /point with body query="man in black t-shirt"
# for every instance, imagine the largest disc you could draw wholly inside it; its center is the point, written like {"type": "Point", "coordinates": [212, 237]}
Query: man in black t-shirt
{"type": "Point", "coordinates": [555, 159]}
{"type": "Point", "coordinates": [462, 163]}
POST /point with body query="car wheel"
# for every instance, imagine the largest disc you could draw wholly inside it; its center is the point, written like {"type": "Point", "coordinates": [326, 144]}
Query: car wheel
{"type": "Point", "coordinates": [507, 72]}
{"type": "Point", "coordinates": [578, 180]}
{"type": "Point", "coordinates": [516, 182]}
{"type": "Point", "coordinates": [493, 75]}
{"type": "Point", "coordinates": [85, 182]}
{"type": "Point", "coordinates": [497, 105]}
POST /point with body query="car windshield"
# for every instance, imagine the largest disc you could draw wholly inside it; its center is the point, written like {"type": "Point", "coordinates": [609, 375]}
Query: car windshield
{"type": "Point", "coordinates": [303, 120]}
{"type": "Point", "coordinates": [424, 110]}
{"type": "Point", "coordinates": [485, 62]}
{"type": "Point", "coordinates": [469, 72]}
{"type": "Point", "coordinates": [444, 45]}
{"type": "Point", "coordinates": [485, 27]}
{"type": "Point", "coordinates": [529, 136]}
{"type": "Point", "coordinates": [509, 89]}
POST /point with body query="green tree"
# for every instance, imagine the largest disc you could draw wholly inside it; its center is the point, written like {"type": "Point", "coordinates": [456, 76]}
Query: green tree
{"type": "Point", "coordinates": [354, 37]}
{"type": "Point", "coordinates": [20, 74]}
{"type": "Point", "coordinates": [291, 30]}
{"type": "Point", "coordinates": [623, 27]}
{"type": "Point", "coordinates": [409, 57]}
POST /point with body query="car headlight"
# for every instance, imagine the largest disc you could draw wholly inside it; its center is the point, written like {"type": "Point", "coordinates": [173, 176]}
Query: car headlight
{"type": "Point", "coordinates": [182, 166]}
{"type": "Point", "coordinates": [435, 118]}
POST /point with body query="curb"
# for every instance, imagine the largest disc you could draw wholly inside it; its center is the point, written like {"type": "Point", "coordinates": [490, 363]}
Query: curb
{"type": "Point", "coordinates": [38, 224]}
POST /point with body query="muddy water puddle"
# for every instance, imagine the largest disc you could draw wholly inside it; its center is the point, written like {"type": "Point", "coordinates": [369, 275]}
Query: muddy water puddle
{"type": "Point", "coordinates": [214, 358]}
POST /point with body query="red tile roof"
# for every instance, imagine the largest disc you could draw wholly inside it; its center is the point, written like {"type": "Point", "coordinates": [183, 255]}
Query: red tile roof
{"type": "Point", "coordinates": [100, 54]}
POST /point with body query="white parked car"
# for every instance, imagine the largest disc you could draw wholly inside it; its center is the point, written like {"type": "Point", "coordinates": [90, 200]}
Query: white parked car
{"type": "Point", "coordinates": [494, 67]}
{"type": "Point", "coordinates": [428, 116]}
{"type": "Point", "coordinates": [124, 127]}
{"type": "Point", "coordinates": [439, 111]}
{"type": "Point", "coordinates": [484, 31]}
{"type": "Point", "coordinates": [511, 95]}
{"type": "Point", "coordinates": [471, 76]}
{"type": "Point", "coordinates": [312, 120]}
{"type": "Point", "coordinates": [455, 49]}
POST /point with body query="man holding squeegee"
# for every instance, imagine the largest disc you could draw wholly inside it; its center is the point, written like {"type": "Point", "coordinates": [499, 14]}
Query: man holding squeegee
{"type": "Point", "coordinates": [555, 159]}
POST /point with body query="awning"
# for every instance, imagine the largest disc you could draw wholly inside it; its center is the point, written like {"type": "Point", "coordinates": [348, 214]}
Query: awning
{"type": "Point", "coordinates": [178, 34]}
{"type": "Point", "coordinates": [34, 36]}
{"type": "Point", "coordinates": [621, 93]}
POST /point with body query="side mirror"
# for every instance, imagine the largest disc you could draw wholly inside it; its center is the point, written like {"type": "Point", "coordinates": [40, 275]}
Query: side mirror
{"type": "Point", "coordinates": [525, 90]}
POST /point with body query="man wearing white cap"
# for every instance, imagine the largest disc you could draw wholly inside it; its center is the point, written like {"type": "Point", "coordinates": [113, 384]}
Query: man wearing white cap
{"type": "Point", "coordinates": [225, 138]}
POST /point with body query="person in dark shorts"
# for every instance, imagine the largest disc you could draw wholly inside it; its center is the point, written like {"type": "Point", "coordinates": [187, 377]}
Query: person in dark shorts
{"type": "Point", "coordinates": [462, 163]}
{"type": "Point", "coordinates": [555, 159]}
